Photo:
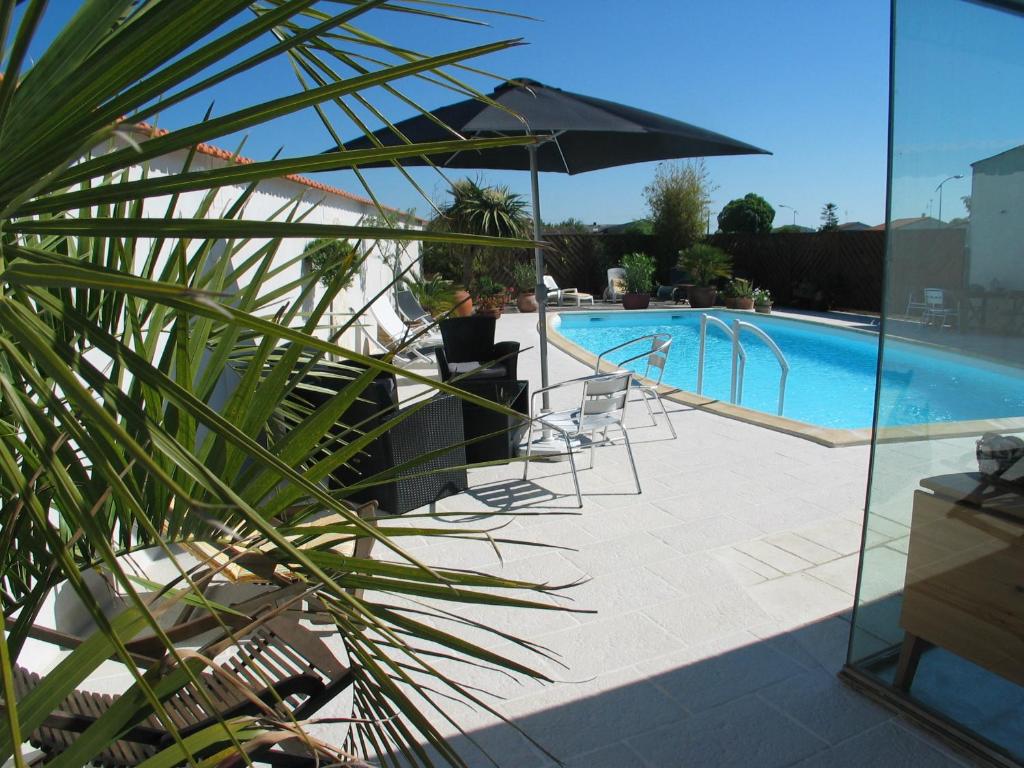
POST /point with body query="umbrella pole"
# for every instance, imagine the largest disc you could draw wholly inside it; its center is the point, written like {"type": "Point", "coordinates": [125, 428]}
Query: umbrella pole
{"type": "Point", "coordinates": [541, 291]}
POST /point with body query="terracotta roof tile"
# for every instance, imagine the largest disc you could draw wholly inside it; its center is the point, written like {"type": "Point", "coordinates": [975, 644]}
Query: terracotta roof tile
{"type": "Point", "coordinates": [223, 154]}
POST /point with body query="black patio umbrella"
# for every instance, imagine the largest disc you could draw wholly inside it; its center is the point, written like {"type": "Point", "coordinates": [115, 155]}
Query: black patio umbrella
{"type": "Point", "coordinates": [577, 134]}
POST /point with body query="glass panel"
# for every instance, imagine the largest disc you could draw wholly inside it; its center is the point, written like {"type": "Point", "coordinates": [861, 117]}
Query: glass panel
{"type": "Point", "coordinates": [940, 605]}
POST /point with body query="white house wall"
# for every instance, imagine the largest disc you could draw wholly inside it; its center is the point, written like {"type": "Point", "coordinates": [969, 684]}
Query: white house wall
{"type": "Point", "coordinates": [995, 236]}
{"type": "Point", "coordinates": [276, 199]}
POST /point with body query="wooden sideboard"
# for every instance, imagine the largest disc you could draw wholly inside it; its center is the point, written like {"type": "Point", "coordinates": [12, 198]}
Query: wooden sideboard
{"type": "Point", "coordinates": [965, 575]}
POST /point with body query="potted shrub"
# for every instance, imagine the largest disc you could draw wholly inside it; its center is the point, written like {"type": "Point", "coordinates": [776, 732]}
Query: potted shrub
{"type": "Point", "coordinates": [763, 301]}
{"type": "Point", "coordinates": [739, 294]}
{"type": "Point", "coordinates": [525, 277]}
{"type": "Point", "coordinates": [639, 279]}
{"type": "Point", "coordinates": [706, 265]}
{"type": "Point", "coordinates": [489, 296]}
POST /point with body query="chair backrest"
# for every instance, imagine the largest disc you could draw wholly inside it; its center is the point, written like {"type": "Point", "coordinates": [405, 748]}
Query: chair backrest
{"type": "Point", "coordinates": [550, 284]}
{"type": "Point", "coordinates": [655, 355]}
{"type": "Point", "coordinates": [934, 297]}
{"type": "Point", "coordinates": [604, 399]}
{"type": "Point", "coordinates": [388, 320]}
{"type": "Point", "coordinates": [468, 339]}
{"type": "Point", "coordinates": [616, 280]}
{"type": "Point", "coordinates": [409, 306]}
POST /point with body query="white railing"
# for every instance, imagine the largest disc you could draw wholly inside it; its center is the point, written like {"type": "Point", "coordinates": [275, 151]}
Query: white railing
{"type": "Point", "coordinates": [739, 357]}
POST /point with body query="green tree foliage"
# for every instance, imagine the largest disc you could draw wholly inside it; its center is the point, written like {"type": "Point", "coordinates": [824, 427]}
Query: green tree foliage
{"type": "Point", "coordinates": [150, 341]}
{"type": "Point", "coordinates": [571, 224]}
{"type": "Point", "coordinates": [332, 260]}
{"type": "Point", "coordinates": [679, 200]}
{"type": "Point", "coordinates": [476, 209]}
{"type": "Point", "coordinates": [829, 218]}
{"type": "Point", "coordinates": [750, 213]}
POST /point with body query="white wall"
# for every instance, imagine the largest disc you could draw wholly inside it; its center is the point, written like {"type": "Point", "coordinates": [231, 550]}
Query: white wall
{"type": "Point", "coordinates": [275, 200]}
{"type": "Point", "coordinates": [995, 235]}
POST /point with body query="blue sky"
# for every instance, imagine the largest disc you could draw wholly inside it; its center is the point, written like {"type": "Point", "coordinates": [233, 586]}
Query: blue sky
{"type": "Point", "coordinates": [805, 79]}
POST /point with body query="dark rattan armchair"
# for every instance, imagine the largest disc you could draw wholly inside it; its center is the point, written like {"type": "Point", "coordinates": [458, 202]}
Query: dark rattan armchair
{"type": "Point", "coordinates": [469, 350]}
{"type": "Point", "coordinates": [429, 428]}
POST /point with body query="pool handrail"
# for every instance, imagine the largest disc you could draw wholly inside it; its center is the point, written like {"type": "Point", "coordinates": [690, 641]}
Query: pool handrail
{"type": "Point", "coordinates": [737, 351]}
{"type": "Point", "coordinates": [738, 327]}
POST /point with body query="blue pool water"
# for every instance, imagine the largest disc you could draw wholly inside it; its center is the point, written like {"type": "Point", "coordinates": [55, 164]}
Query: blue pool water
{"type": "Point", "coordinates": [832, 370]}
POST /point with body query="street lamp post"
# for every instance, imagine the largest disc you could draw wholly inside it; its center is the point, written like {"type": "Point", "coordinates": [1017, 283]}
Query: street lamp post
{"type": "Point", "coordinates": [939, 190]}
{"type": "Point", "coordinates": [794, 210]}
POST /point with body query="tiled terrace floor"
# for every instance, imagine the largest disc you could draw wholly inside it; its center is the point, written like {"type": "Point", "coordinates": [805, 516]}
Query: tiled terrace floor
{"type": "Point", "coordinates": [722, 598]}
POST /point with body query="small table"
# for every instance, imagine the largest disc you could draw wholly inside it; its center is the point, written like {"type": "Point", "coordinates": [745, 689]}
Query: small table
{"type": "Point", "coordinates": [479, 421]}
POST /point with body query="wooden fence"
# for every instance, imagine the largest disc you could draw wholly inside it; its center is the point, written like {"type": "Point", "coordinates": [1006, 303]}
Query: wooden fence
{"type": "Point", "coordinates": [840, 270]}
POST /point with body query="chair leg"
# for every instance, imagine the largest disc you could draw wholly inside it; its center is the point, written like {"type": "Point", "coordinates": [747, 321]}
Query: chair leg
{"type": "Point", "coordinates": [632, 462]}
{"type": "Point", "coordinates": [647, 394]}
{"type": "Point", "coordinates": [664, 411]}
{"type": "Point", "coordinates": [572, 466]}
{"type": "Point", "coordinates": [529, 445]}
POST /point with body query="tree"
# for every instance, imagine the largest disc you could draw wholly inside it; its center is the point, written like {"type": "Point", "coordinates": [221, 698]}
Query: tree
{"type": "Point", "coordinates": [150, 337]}
{"type": "Point", "coordinates": [480, 210]}
{"type": "Point", "coordinates": [829, 218]}
{"type": "Point", "coordinates": [750, 213]}
{"type": "Point", "coordinates": [679, 199]}
{"type": "Point", "coordinates": [571, 224]}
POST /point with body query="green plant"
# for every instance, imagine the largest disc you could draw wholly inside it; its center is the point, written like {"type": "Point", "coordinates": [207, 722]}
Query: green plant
{"type": "Point", "coordinates": [750, 213]}
{"type": "Point", "coordinates": [639, 272]}
{"type": "Point", "coordinates": [485, 285]}
{"type": "Point", "coordinates": [705, 263]}
{"type": "Point", "coordinates": [762, 297]}
{"type": "Point", "coordinates": [679, 199]}
{"type": "Point", "coordinates": [333, 260]}
{"type": "Point", "coordinates": [480, 210]}
{"type": "Point", "coordinates": [148, 344]}
{"type": "Point", "coordinates": [739, 288]}
{"type": "Point", "coordinates": [435, 294]}
{"type": "Point", "coordinates": [524, 275]}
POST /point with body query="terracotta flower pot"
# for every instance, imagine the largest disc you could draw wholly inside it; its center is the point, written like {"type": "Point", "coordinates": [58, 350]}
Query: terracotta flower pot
{"type": "Point", "coordinates": [463, 304]}
{"type": "Point", "coordinates": [734, 302]}
{"type": "Point", "coordinates": [636, 300]}
{"type": "Point", "coordinates": [490, 306]}
{"type": "Point", "coordinates": [702, 296]}
{"type": "Point", "coordinates": [527, 302]}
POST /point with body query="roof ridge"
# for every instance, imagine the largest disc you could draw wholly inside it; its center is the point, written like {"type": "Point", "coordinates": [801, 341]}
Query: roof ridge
{"type": "Point", "coordinates": [223, 154]}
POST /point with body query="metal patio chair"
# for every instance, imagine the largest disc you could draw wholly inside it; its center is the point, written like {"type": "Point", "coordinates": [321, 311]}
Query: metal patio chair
{"type": "Point", "coordinates": [938, 308]}
{"type": "Point", "coordinates": [602, 406]}
{"type": "Point", "coordinates": [655, 355]}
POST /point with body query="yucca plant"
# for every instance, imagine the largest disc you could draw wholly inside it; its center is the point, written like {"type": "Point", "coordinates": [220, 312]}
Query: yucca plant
{"type": "Point", "coordinates": [146, 363]}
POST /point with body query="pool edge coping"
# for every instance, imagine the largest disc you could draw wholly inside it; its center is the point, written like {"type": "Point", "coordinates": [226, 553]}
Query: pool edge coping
{"type": "Point", "coordinates": [830, 438]}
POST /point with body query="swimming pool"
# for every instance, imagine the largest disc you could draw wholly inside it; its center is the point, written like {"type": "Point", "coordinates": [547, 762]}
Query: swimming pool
{"type": "Point", "coordinates": [832, 370]}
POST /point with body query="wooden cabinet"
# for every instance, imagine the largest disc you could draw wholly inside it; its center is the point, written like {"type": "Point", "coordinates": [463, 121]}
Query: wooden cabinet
{"type": "Point", "coordinates": [965, 575]}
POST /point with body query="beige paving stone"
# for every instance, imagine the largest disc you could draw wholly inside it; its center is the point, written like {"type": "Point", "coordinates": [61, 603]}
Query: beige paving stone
{"type": "Point", "coordinates": [802, 547]}
{"type": "Point", "coordinates": [798, 598]}
{"type": "Point", "coordinates": [777, 558]}
{"type": "Point", "coordinates": [841, 573]}
{"type": "Point", "coordinates": [840, 536]}
{"type": "Point", "coordinates": [741, 564]}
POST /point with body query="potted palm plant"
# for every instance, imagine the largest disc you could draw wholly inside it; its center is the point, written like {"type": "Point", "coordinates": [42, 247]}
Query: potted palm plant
{"type": "Point", "coordinates": [489, 296]}
{"type": "Point", "coordinates": [639, 279]}
{"type": "Point", "coordinates": [706, 264]}
{"type": "Point", "coordinates": [525, 277]}
{"type": "Point", "coordinates": [763, 301]}
{"type": "Point", "coordinates": [739, 294]}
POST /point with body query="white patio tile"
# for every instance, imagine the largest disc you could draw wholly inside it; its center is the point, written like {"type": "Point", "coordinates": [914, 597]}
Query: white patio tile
{"type": "Point", "coordinates": [777, 558]}
{"type": "Point", "coordinates": [841, 573]}
{"type": "Point", "coordinates": [798, 598]}
{"type": "Point", "coordinates": [803, 548]}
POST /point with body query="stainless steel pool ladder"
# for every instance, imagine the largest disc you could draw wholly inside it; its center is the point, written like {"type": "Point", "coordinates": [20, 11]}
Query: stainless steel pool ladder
{"type": "Point", "coordinates": [739, 357]}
